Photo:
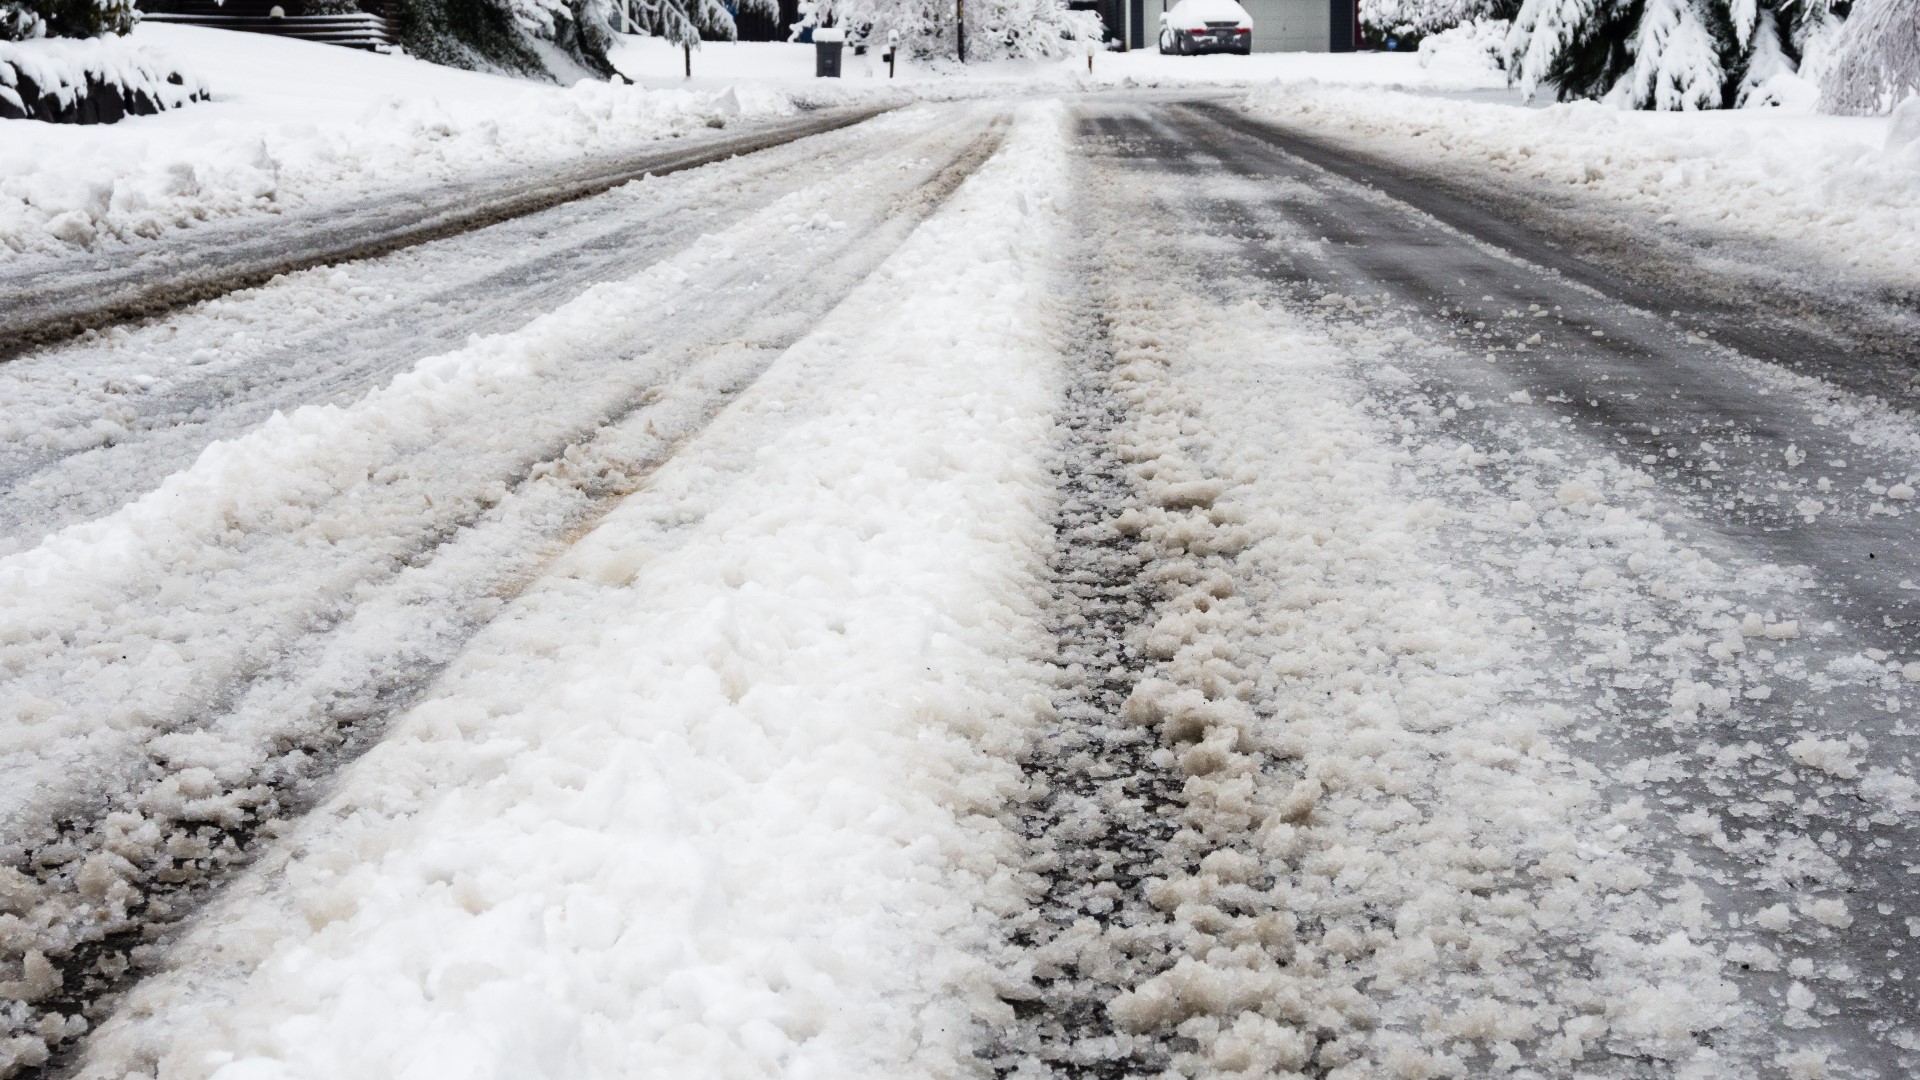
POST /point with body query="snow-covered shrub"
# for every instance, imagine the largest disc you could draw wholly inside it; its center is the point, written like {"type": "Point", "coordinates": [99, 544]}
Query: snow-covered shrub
{"type": "Point", "coordinates": [509, 33]}
{"type": "Point", "coordinates": [1665, 54]}
{"type": "Point", "coordinates": [24, 20]}
{"type": "Point", "coordinates": [996, 29]}
{"type": "Point", "coordinates": [19, 22]}
{"type": "Point", "coordinates": [1479, 45]}
{"type": "Point", "coordinates": [1876, 59]}
{"type": "Point", "coordinates": [89, 82]}
{"type": "Point", "coordinates": [1418, 18]}
{"type": "Point", "coordinates": [1028, 29]}
{"type": "Point", "coordinates": [476, 34]}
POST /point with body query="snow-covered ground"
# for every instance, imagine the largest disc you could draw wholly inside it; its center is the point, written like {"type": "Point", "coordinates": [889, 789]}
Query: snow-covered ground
{"type": "Point", "coordinates": [293, 124]}
{"type": "Point", "coordinates": [656, 636]}
{"type": "Point", "coordinates": [771, 848]}
{"type": "Point", "coordinates": [518, 442]}
{"type": "Point", "coordinates": [699, 631]}
{"type": "Point", "coordinates": [715, 627]}
{"type": "Point", "coordinates": [1838, 190]}
{"type": "Point", "coordinates": [1414, 800]}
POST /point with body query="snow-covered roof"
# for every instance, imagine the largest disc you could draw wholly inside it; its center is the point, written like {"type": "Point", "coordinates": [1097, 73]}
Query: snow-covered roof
{"type": "Point", "coordinates": [1210, 11]}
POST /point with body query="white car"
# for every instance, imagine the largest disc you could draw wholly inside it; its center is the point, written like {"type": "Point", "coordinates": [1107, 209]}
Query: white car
{"type": "Point", "coordinates": [1204, 26]}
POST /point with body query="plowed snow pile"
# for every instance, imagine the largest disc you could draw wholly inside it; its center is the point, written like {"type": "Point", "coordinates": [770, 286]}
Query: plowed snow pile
{"type": "Point", "coordinates": [717, 797]}
{"type": "Point", "coordinates": [1843, 189]}
{"type": "Point", "coordinates": [293, 124]}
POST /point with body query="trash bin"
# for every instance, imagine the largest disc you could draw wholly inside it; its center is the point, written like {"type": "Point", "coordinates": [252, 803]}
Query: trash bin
{"type": "Point", "coordinates": [827, 43]}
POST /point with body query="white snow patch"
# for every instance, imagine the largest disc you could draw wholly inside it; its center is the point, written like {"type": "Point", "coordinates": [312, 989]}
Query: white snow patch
{"type": "Point", "coordinates": [1831, 756]}
{"type": "Point", "coordinates": [1828, 912]}
{"type": "Point", "coordinates": [719, 796]}
{"type": "Point", "coordinates": [295, 124]}
{"type": "Point", "coordinates": [1830, 185]}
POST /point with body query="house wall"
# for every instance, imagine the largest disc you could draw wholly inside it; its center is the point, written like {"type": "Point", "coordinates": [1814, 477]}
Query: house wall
{"type": "Point", "coordinates": [1278, 25]}
{"type": "Point", "coordinates": [1289, 25]}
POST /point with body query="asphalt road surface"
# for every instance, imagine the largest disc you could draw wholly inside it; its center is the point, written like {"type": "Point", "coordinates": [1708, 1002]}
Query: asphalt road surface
{"type": "Point", "coordinates": [1467, 657]}
{"type": "Point", "coordinates": [1748, 466]}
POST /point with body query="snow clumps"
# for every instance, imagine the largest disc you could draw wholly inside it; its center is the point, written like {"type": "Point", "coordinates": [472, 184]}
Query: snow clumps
{"type": "Point", "coordinates": [1384, 864]}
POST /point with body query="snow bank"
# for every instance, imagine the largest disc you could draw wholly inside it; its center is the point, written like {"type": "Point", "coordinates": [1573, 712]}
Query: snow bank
{"type": "Point", "coordinates": [1469, 52]}
{"type": "Point", "coordinates": [281, 529]}
{"type": "Point", "coordinates": [719, 796]}
{"type": "Point", "coordinates": [96, 81]}
{"type": "Point", "coordinates": [295, 124]}
{"type": "Point", "coordinates": [1839, 189]}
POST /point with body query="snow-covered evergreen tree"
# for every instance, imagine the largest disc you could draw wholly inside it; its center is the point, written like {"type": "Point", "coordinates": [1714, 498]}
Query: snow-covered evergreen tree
{"type": "Point", "coordinates": [507, 35]}
{"type": "Point", "coordinates": [23, 19]}
{"type": "Point", "coordinates": [996, 29]}
{"type": "Point", "coordinates": [1676, 57]}
{"type": "Point", "coordinates": [1875, 61]}
{"type": "Point", "coordinates": [19, 22]}
{"type": "Point", "coordinates": [1423, 17]}
{"type": "Point", "coordinates": [684, 22]}
{"type": "Point", "coordinates": [1665, 54]}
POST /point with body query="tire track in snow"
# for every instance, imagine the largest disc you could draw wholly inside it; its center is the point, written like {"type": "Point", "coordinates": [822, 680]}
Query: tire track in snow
{"type": "Point", "coordinates": [60, 302]}
{"type": "Point", "coordinates": [1380, 865]}
{"type": "Point", "coordinates": [92, 425]}
{"type": "Point", "coordinates": [87, 907]}
{"type": "Point", "coordinates": [1097, 831]}
{"type": "Point", "coordinates": [1708, 608]}
{"type": "Point", "coordinates": [1159, 803]}
{"type": "Point", "coordinates": [1857, 334]}
{"type": "Point", "coordinates": [747, 745]}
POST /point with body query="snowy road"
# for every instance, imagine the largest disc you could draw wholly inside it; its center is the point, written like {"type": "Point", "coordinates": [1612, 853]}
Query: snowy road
{"type": "Point", "coordinates": [1796, 492]}
{"type": "Point", "coordinates": [48, 297]}
{"type": "Point", "coordinates": [1003, 589]}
